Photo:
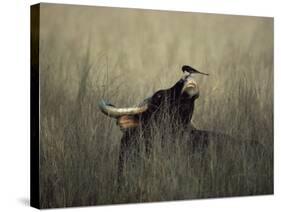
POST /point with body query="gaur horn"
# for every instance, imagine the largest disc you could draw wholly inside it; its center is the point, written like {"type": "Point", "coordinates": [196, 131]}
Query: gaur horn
{"type": "Point", "coordinates": [112, 111]}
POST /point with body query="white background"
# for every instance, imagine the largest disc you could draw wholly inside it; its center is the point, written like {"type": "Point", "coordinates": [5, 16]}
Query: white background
{"type": "Point", "coordinates": [14, 102]}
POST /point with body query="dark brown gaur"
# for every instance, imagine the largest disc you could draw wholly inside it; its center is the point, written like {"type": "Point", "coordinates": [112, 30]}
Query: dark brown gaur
{"type": "Point", "coordinates": [177, 102]}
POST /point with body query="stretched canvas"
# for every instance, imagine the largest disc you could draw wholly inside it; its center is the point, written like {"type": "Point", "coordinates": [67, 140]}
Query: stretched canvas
{"type": "Point", "coordinates": [133, 105]}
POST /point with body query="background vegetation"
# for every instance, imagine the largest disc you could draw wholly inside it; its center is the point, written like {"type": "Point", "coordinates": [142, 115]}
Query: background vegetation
{"type": "Point", "coordinates": [90, 53]}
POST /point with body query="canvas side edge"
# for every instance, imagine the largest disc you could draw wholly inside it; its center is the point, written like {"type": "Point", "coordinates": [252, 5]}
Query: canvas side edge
{"type": "Point", "coordinates": [34, 105]}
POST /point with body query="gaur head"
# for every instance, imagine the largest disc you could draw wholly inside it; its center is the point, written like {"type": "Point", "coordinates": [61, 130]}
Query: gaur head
{"type": "Point", "coordinates": [177, 101]}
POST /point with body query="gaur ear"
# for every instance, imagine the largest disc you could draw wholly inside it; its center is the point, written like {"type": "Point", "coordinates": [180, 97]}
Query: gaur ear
{"type": "Point", "coordinates": [128, 122]}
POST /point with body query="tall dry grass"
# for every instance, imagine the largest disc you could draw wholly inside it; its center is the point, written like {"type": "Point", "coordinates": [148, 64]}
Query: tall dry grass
{"type": "Point", "coordinates": [87, 54]}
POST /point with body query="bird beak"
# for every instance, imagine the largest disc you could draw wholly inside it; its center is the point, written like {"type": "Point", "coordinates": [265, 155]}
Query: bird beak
{"type": "Point", "coordinates": [199, 72]}
{"type": "Point", "coordinates": [203, 73]}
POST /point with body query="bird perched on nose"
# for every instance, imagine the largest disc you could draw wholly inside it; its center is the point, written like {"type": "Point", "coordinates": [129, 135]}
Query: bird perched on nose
{"type": "Point", "coordinates": [191, 70]}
